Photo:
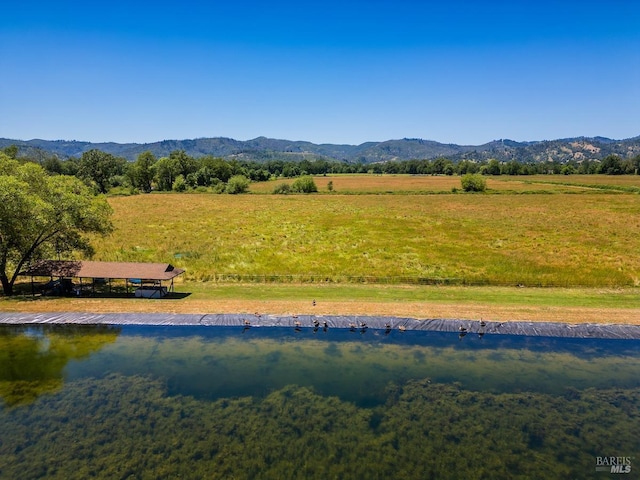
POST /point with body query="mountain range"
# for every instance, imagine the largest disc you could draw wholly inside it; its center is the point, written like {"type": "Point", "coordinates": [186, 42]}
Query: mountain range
{"type": "Point", "coordinates": [263, 149]}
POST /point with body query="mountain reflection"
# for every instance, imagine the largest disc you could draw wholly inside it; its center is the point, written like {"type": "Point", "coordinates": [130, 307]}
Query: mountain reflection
{"type": "Point", "coordinates": [32, 359]}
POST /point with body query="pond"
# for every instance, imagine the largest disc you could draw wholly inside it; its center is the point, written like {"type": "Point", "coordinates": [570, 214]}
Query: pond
{"type": "Point", "coordinates": [80, 401]}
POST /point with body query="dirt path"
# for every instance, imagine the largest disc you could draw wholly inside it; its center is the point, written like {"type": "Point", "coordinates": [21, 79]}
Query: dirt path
{"type": "Point", "coordinates": [400, 309]}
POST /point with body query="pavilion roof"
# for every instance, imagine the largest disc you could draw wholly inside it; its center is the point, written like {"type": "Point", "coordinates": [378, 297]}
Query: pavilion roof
{"type": "Point", "coordinates": [89, 269]}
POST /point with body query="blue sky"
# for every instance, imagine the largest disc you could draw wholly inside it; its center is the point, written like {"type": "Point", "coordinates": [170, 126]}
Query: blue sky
{"type": "Point", "coordinates": [324, 71]}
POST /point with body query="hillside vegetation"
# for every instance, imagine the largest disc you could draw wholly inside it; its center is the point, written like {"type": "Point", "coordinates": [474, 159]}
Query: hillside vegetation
{"type": "Point", "coordinates": [263, 149]}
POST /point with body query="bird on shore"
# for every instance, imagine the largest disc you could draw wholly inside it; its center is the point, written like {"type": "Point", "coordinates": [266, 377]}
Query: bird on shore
{"type": "Point", "coordinates": [247, 325]}
{"type": "Point", "coordinates": [482, 328]}
{"type": "Point", "coordinates": [402, 328]}
{"type": "Point", "coordinates": [463, 332]}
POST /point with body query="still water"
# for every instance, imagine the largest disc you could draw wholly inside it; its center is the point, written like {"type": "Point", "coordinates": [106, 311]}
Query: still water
{"type": "Point", "coordinates": [228, 402]}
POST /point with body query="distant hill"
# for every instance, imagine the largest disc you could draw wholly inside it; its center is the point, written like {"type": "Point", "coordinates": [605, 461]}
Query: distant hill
{"type": "Point", "coordinates": [262, 149]}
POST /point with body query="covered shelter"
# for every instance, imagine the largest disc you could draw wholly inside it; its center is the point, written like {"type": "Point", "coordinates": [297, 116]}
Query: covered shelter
{"type": "Point", "coordinates": [146, 277]}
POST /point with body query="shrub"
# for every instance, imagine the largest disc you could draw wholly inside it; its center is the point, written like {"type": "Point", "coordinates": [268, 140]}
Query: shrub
{"type": "Point", "coordinates": [472, 182]}
{"type": "Point", "coordinates": [219, 187]}
{"type": "Point", "coordinates": [304, 185]}
{"type": "Point", "coordinates": [282, 189]}
{"type": "Point", "coordinates": [237, 184]}
{"type": "Point", "coordinates": [179, 184]}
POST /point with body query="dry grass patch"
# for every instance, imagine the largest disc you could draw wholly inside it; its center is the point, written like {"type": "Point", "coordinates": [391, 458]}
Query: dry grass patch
{"type": "Point", "coordinates": [413, 309]}
{"type": "Point", "coordinates": [615, 180]}
{"type": "Point", "coordinates": [421, 184]}
{"type": "Point", "coordinates": [365, 183]}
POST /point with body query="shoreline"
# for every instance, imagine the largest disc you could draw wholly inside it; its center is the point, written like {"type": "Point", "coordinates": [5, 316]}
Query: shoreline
{"type": "Point", "coordinates": [477, 310]}
{"type": "Point", "coordinates": [354, 322]}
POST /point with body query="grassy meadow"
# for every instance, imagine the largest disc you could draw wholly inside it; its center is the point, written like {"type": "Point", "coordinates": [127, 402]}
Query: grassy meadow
{"type": "Point", "coordinates": [377, 244]}
{"type": "Point", "coordinates": [590, 239]}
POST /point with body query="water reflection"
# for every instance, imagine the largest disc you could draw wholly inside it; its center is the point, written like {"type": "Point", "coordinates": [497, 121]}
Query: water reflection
{"type": "Point", "coordinates": [222, 362]}
{"type": "Point", "coordinates": [33, 359]}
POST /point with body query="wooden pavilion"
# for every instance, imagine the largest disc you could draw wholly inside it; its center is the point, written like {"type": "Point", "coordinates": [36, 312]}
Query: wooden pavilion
{"type": "Point", "coordinates": [146, 277]}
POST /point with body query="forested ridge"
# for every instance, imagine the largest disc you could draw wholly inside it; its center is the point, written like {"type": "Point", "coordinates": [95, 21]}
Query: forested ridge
{"type": "Point", "coordinates": [263, 149]}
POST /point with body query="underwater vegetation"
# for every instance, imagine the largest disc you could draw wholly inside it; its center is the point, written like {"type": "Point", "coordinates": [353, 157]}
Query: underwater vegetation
{"type": "Point", "coordinates": [126, 427]}
{"type": "Point", "coordinates": [219, 403]}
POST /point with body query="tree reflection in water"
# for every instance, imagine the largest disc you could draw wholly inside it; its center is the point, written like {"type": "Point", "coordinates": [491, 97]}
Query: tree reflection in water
{"type": "Point", "coordinates": [33, 359]}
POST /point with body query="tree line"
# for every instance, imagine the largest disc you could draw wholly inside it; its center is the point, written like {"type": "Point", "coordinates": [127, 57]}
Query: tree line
{"type": "Point", "coordinates": [180, 171]}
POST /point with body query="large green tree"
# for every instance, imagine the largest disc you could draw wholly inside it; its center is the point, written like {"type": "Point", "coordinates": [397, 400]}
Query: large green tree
{"type": "Point", "coordinates": [166, 171]}
{"type": "Point", "coordinates": [611, 165]}
{"type": "Point", "coordinates": [43, 215]}
{"type": "Point", "coordinates": [142, 171]}
{"type": "Point", "coordinates": [218, 167]}
{"type": "Point", "coordinates": [99, 167]}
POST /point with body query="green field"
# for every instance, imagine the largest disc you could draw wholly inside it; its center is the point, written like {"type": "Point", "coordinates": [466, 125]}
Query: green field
{"type": "Point", "coordinates": [590, 239]}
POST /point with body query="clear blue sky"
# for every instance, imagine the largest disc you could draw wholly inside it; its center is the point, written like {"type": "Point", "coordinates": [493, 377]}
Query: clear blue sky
{"type": "Point", "coordinates": [327, 71]}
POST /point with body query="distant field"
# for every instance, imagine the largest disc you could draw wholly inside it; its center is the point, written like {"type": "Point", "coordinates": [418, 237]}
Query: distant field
{"type": "Point", "coordinates": [559, 239]}
{"type": "Point", "coordinates": [629, 183]}
{"type": "Point", "coordinates": [424, 184]}
{"type": "Point", "coordinates": [621, 180]}
{"type": "Point", "coordinates": [372, 184]}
